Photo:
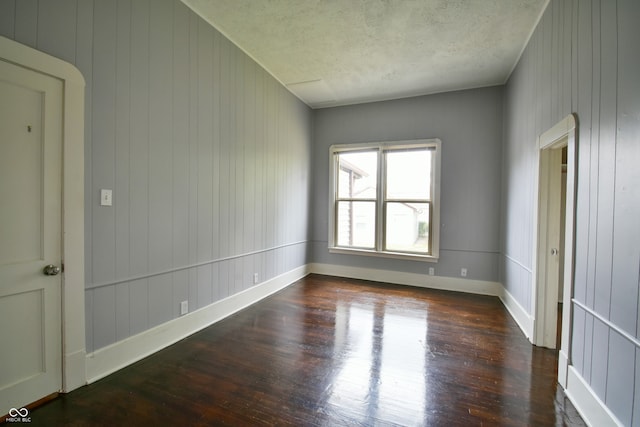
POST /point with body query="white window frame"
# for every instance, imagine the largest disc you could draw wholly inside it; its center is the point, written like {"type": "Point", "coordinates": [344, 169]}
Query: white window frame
{"type": "Point", "coordinates": [434, 231]}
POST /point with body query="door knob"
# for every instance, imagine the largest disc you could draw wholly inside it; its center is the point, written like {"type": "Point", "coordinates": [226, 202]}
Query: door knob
{"type": "Point", "coordinates": [554, 251]}
{"type": "Point", "coordinates": [51, 270]}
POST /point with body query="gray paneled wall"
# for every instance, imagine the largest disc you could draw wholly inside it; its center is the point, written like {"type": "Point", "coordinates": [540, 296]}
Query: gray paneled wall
{"type": "Point", "coordinates": [584, 58]}
{"type": "Point", "coordinates": [207, 155]}
{"type": "Point", "coordinates": [469, 123]}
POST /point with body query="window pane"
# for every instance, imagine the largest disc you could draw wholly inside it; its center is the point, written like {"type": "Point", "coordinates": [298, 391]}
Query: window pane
{"type": "Point", "coordinates": [357, 175]}
{"type": "Point", "coordinates": [407, 228]}
{"type": "Point", "coordinates": [409, 174]}
{"type": "Point", "coordinates": [356, 223]}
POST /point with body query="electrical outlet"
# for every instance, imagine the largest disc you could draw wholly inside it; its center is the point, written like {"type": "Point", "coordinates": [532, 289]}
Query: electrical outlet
{"type": "Point", "coordinates": [255, 278]}
{"type": "Point", "coordinates": [463, 272]}
{"type": "Point", "coordinates": [184, 307]}
{"type": "Point", "coordinates": [432, 271]}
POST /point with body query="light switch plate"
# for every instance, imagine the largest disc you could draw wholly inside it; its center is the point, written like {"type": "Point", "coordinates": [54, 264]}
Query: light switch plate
{"type": "Point", "coordinates": [106, 197]}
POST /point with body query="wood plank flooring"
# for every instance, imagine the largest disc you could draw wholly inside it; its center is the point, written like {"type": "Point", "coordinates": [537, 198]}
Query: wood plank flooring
{"type": "Point", "coordinates": [336, 352]}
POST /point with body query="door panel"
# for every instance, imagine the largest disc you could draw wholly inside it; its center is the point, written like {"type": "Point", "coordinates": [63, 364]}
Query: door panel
{"type": "Point", "coordinates": [30, 235]}
{"type": "Point", "coordinates": [21, 187]}
{"type": "Point", "coordinates": [24, 309]}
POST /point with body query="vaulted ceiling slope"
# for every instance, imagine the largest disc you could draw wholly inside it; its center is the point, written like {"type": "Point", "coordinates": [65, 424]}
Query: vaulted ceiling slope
{"type": "Point", "coordinates": [339, 52]}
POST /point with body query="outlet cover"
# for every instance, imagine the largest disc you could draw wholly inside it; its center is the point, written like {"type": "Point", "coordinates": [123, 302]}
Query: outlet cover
{"type": "Point", "coordinates": [463, 272]}
{"type": "Point", "coordinates": [184, 307]}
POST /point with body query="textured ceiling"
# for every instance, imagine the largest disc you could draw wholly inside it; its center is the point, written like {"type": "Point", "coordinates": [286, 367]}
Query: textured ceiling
{"type": "Point", "coordinates": [338, 52]}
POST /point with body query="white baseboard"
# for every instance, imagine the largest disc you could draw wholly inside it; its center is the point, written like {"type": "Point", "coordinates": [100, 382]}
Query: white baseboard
{"type": "Point", "coordinates": [74, 371]}
{"type": "Point", "coordinates": [519, 314]}
{"type": "Point", "coordinates": [116, 356]}
{"type": "Point", "coordinates": [593, 410]}
{"type": "Point", "coordinates": [412, 279]}
{"type": "Point", "coordinates": [563, 368]}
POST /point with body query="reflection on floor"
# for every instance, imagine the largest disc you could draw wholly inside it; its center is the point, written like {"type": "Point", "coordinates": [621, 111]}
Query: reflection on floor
{"type": "Point", "coordinates": [329, 351]}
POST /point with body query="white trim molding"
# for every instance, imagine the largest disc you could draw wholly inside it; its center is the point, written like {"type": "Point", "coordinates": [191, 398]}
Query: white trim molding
{"type": "Point", "coordinates": [114, 357]}
{"type": "Point", "coordinates": [547, 205]}
{"type": "Point", "coordinates": [479, 287]}
{"type": "Point", "coordinates": [593, 410]}
{"type": "Point", "coordinates": [519, 314]}
{"type": "Point", "coordinates": [73, 321]}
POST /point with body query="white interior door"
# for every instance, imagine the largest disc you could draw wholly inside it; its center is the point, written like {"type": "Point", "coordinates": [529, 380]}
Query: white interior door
{"type": "Point", "coordinates": [30, 236]}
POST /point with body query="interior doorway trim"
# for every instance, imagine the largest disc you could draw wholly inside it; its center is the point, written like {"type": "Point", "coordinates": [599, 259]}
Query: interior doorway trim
{"type": "Point", "coordinates": [73, 321]}
{"type": "Point", "coordinates": [550, 144]}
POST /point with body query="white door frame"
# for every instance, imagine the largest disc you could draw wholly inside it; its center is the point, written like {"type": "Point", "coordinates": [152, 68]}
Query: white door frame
{"type": "Point", "coordinates": [73, 321]}
{"type": "Point", "coordinates": [550, 143]}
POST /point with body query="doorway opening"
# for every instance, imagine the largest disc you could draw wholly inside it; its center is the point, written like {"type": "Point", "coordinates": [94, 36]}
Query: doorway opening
{"type": "Point", "coordinates": [554, 240]}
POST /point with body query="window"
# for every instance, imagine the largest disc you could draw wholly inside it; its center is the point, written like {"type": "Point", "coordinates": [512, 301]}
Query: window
{"type": "Point", "coordinates": [385, 199]}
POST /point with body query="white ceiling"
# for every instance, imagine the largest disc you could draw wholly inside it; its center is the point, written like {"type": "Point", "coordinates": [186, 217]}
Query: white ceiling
{"type": "Point", "coordinates": [338, 52]}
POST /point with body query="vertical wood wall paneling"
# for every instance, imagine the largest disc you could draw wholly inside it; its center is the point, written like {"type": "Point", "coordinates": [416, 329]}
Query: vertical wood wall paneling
{"type": "Point", "coordinates": [582, 290]}
{"type": "Point", "coordinates": [594, 125]}
{"type": "Point", "coordinates": [238, 177]}
{"type": "Point", "coordinates": [545, 52]}
{"type": "Point", "coordinates": [160, 160]}
{"type": "Point", "coordinates": [235, 109]}
{"type": "Point", "coordinates": [26, 22]}
{"type": "Point", "coordinates": [193, 158]}
{"type": "Point", "coordinates": [84, 62]}
{"type": "Point", "coordinates": [595, 148]}
{"type": "Point", "coordinates": [223, 150]}
{"type": "Point", "coordinates": [54, 35]}
{"type": "Point", "coordinates": [567, 54]}
{"type": "Point", "coordinates": [626, 233]}
{"type": "Point", "coordinates": [230, 142]}
{"type": "Point", "coordinates": [622, 395]}
{"type": "Point", "coordinates": [270, 176]}
{"type": "Point", "coordinates": [139, 165]}
{"type": "Point", "coordinates": [204, 131]}
{"type": "Point", "coordinates": [215, 165]}
{"type": "Point", "coordinates": [554, 75]}
{"type": "Point", "coordinates": [103, 170]}
{"type": "Point", "coordinates": [260, 157]}
{"type": "Point", "coordinates": [626, 251]}
{"type": "Point", "coordinates": [619, 391]}
{"type": "Point", "coordinates": [7, 19]}
{"type": "Point", "coordinates": [282, 216]}
{"type": "Point", "coordinates": [606, 172]}
{"type": "Point", "coordinates": [103, 140]}
{"type": "Point", "coordinates": [249, 156]}
{"type": "Point", "coordinates": [121, 194]}
{"type": "Point", "coordinates": [249, 191]}
{"type": "Point", "coordinates": [606, 154]}
{"type": "Point", "coordinates": [583, 79]}
{"type": "Point", "coordinates": [180, 156]}
{"type": "Point", "coordinates": [88, 306]}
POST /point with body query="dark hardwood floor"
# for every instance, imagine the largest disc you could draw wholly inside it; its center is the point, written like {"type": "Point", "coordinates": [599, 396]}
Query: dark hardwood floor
{"type": "Point", "coordinates": [336, 352]}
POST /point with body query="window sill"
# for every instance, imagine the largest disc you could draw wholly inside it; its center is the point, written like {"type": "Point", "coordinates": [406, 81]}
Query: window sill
{"type": "Point", "coordinates": [379, 254]}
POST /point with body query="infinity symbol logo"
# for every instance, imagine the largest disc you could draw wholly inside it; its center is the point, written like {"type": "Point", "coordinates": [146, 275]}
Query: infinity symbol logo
{"type": "Point", "coordinates": [22, 412]}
